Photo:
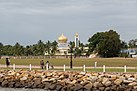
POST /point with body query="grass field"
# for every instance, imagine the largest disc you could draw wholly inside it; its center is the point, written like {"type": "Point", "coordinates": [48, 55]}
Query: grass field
{"type": "Point", "coordinates": [109, 62]}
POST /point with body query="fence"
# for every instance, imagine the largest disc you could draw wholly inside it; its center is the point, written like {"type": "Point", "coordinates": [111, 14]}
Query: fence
{"type": "Point", "coordinates": [82, 68]}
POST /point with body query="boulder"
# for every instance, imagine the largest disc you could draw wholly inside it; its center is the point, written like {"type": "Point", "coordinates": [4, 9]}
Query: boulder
{"type": "Point", "coordinates": [23, 78]}
{"type": "Point", "coordinates": [5, 83]}
{"type": "Point", "coordinates": [118, 81]}
{"type": "Point", "coordinates": [11, 84]}
{"type": "Point", "coordinates": [78, 87]}
{"type": "Point", "coordinates": [104, 81]}
{"type": "Point", "coordinates": [108, 83]}
{"type": "Point", "coordinates": [52, 87]}
{"type": "Point", "coordinates": [132, 84]}
{"type": "Point", "coordinates": [88, 86]}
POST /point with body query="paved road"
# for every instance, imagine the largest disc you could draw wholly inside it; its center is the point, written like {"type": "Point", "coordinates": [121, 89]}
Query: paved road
{"type": "Point", "coordinates": [61, 67]}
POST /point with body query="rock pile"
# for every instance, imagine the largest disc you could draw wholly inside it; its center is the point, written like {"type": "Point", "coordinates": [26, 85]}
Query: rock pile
{"type": "Point", "coordinates": [69, 81]}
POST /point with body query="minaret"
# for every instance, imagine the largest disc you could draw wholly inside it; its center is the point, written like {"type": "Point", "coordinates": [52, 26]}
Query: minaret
{"type": "Point", "coordinates": [76, 40]}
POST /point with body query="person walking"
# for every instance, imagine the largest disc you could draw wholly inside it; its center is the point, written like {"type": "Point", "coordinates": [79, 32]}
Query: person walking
{"type": "Point", "coordinates": [42, 64]}
{"type": "Point", "coordinates": [7, 62]}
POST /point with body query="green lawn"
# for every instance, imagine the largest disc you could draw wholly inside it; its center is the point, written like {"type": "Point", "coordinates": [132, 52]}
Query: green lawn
{"type": "Point", "coordinates": [109, 62]}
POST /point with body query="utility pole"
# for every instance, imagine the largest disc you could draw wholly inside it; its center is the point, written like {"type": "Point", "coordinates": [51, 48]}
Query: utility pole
{"type": "Point", "coordinates": [71, 64]}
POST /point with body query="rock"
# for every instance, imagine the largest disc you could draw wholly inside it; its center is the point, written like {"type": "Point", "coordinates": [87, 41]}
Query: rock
{"type": "Point", "coordinates": [1, 80]}
{"type": "Point", "coordinates": [1, 75]}
{"type": "Point", "coordinates": [114, 87]}
{"type": "Point", "coordinates": [96, 84]}
{"type": "Point", "coordinates": [17, 85]}
{"type": "Point", "coordinates": [30, 85]}
{"type": "Point", "coordinates": [105, 80]}
{"type": "Point", "coordinates": [23, 78]}
{"type": "Point", "coordinates": [79, 76]}
{"type": "Point", "coordinates": [46, 80]}
{"type": "Point", "coordinates": [112, 77]}
{"type": "Point", "coordinates": [4, 83]}
{"type": "Point", "coordinates": [78, 87]}
{"type": "Point", "coordinates": [82, 73]}
{"type": "Point", "coordinates": [127, 82]}
{"type": "Point", "coordinates": [52, 87]}
{"type": "Point", "coordinates": [107, 89]}
{"type": "Point", "coordinates": [53, 80]}
{"type": "Point", "coordinates": [118, 81]}
{"type": "Point", "coordinates": [84, 83]}
{"type": "Point", "coordinates": [132, 84]}
{"type": "Point", "coordinates": [121, 88]}
{"type": "Point", "coordinates": [64, 88]}
{"type": "Point", "coordinates": [11, 84]}
{"type": "Point", "coordinates": [37, 81]}
{"type": "Point", "coordinates": [122, 78]}
{"type": "Point", "coordinates": [74, 81]}
{"type": "Point", "coordinates": [58, 87]}
{"type": "Point", "coordinates": [108, 83]}
{"type": "Point", "coordinates": [66, 76]}
{"type": "Point", "coordinates": [135, 87]}
{"type": "Point", "coordinates": [128, 75]}
{"type": "Point", "coordinates": [41, 86]}
{"type": "Point", "coordinates": [23, 83]}
{"type": "Point", "coordinates": [94, 74]}
{"type": "Point", "coordinates": [88, 86]}
{"type": "Point", "coordinates": [101, 88]}
{"type": "Point", "coordinates": [135, 76]}
{"type": "Point", "coordinates": [94, 79]}
{"type": "Point", "coordinates": [47, 85]}
{"type": "Point", "coordinates": [131, 79]}
{"type": "Point", "coordinates": [49, 74]}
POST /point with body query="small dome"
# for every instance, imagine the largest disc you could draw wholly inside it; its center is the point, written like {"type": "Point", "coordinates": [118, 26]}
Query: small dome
{"type": "Point", "coordinates": [62, 39]}
{"type": "Point", "coordinates": [76, 35]}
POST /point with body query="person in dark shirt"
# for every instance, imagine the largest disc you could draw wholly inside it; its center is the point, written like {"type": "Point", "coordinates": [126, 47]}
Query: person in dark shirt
{"type": "Point", "coordinates": [42, 64]}
{"type": "Point", "coordinates": [7, 62]}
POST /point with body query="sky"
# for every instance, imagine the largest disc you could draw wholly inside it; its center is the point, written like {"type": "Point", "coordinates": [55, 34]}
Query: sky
{"type": "Point", "coordinates": [27, 21]}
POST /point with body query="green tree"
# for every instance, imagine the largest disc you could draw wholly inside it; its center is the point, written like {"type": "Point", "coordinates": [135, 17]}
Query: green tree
{"type": "Point", "coordinates": [124, 45]}
{"type": "Point", "coordinates": [28, 51]}
{"type": "Point", "coordinates": [71, 47]}
{"type": "Point", "coordinates": [77, 52]}
{"type": "Point", "coordinates": [1, 50]}
{"type": "Point", "coordinates": [54, 46]}
{"type": "Point", "coordinates": [40, 48]}
{"type": "Point", "coordinates": [48, 47]}
{"type": "Point", "coordinates": [133, 43]}
{"type": "Point", "coordinates": [106, 44]}
{"type": "Point", "coordinates": [94, 41]}
{"type": "Point", "coordinates": [18, 50]}
{"type": "Point", "coordinates": [7, 50]}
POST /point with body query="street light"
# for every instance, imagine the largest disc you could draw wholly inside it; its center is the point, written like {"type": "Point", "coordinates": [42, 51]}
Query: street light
{"type": "Point", "coordinates": [71, 57]}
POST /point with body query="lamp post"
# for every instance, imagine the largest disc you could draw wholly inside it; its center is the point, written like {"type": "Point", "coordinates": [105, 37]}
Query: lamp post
{"type": "Point", "coordinates": [0, 53]}
{"type": "Point", "coordinates": [71, 58]}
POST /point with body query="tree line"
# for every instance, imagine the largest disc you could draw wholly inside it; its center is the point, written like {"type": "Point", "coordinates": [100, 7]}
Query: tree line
{"type": "Point", "coordinates": [29, 50]}
{"type": "Point", "coordinates": [106, 44]}
{"type": "Point", "coordinates": [38, 49]}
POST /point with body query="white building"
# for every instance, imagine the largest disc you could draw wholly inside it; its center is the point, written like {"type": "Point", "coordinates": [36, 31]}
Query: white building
{"type": "Point", "coordinates": [63, 45]}
{"type": "Point", "coordinates": [76, 40]}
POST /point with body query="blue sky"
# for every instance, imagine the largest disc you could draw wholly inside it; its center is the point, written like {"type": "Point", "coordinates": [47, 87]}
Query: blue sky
{"type": "Point", "coordinates": [27, 21]}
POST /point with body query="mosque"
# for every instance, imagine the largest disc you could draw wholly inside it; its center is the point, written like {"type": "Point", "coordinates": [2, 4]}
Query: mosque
{"type": "Point", "coordinates": [63, 46]}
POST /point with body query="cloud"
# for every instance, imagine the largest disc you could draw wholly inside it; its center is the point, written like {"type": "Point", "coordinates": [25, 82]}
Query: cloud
{"type": "Point", "coordinates": [47, 19]}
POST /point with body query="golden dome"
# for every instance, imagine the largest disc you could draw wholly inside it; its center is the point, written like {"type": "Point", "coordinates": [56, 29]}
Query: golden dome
{"type": "Point", "coordinates": [62, 39]}
{"type": "Point", "coordinates": [76, 35]}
